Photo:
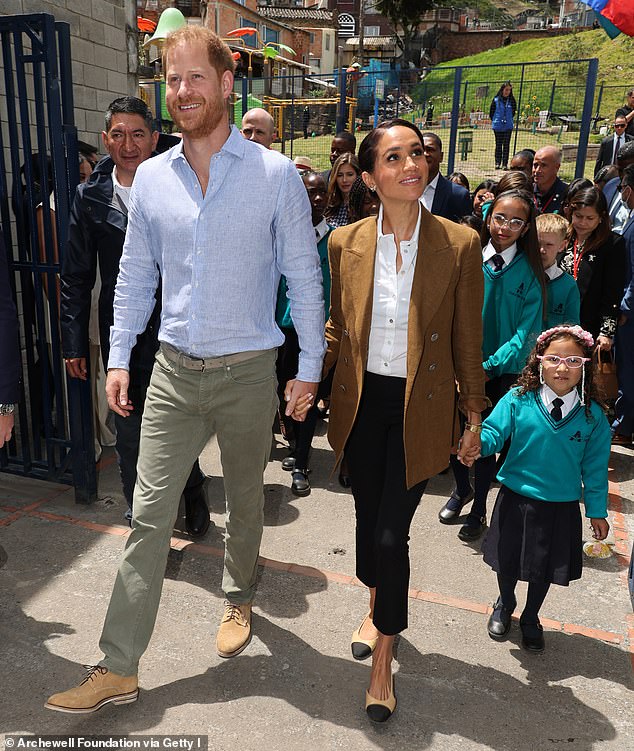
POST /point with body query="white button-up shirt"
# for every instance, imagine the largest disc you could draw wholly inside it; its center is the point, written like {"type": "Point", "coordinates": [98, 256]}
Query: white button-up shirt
{"type": "Point", "coordinates": [430, 192]}
{"type": "Point", "coordinates": [387, 350]}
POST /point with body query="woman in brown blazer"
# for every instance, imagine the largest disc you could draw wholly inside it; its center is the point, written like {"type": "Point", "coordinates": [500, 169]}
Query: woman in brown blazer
{"type": "Point", "coordinates": [405, 325]}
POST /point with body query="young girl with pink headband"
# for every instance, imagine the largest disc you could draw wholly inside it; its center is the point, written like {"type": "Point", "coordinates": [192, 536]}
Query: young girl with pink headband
{"type": "Point", "coordinates": [559, 451]}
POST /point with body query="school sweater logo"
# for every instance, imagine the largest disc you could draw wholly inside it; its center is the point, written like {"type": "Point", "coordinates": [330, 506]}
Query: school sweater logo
{"type": "Point", "coordinates": [520, 291]}
{"type": "Point", "coordinates": [576, 437]}
{"type": "Point", "coordinates": [559, 308]}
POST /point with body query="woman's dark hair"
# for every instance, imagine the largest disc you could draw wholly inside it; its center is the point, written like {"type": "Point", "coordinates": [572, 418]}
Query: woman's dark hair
{"type": "Point", "coordinates": [514, 180]}
{"type": "Point", "coordinates": [579, 183]}
{"type": "Point", "coordinates": [527, 242]}
{"type": "Point", "coordinates": [473, 221]}
{"type": "Point", "coordinates": [458, 177]}
{"type": "Point", "coordinates": [368, 148]}
{"type": "Point", "coordinates": [592, 198]}
{"type": "Point", "coordinates": [605, 174]}
{"type": "Point", "coordinates": [485, 185]}
{"type": "Point", "coordinates": [529, 379]}
{"type": "Point", "coordinates": [334, 197]}
{"type": "Point", "coordinates": [356, 199]}
{"type": "Point", "coordinates": [503, 86]}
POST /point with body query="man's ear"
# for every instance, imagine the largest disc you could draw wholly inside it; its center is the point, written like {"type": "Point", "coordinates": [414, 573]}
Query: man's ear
{"type": "Point", "coordinates": [226, 84]}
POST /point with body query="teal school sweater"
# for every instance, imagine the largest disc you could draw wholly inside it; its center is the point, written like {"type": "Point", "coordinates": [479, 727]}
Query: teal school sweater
{"type": "Point", "coordinates": [283, 307]}
{"type": "Point", "coordinates": [564, 301]}
{"type": "Point", "coordinates": [547, 460]}
{"type": "Point", "coordinates": [511, 316]}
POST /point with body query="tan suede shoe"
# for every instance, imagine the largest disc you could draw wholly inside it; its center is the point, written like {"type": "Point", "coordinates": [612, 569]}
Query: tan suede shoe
{"type": "Point", "coordinates": [234, 633]}
{"type": "Point", "coordinates": [99, 687]}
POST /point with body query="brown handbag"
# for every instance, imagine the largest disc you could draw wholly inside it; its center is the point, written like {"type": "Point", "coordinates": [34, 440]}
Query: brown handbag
{"type": "Point", "coordinates": [605, 374]}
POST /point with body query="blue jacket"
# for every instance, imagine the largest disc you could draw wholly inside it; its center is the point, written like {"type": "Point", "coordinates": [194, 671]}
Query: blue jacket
{"type": "Point", "coordinates": [502, 111]}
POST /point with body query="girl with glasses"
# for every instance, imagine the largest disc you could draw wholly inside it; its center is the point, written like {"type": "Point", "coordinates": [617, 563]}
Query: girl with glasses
{"type": "Point", "coordinates": [512, 313]}
{"type": "Point", "coordinates": [535, 534]}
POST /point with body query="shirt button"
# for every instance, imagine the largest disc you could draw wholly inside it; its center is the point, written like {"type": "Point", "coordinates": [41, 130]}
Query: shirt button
{"type": "Point", "coordinates": [193, 315]}
{"type": "Point", "coordinates": [385, 365]}
{"type": "Point", "coordinates": [391, 320]}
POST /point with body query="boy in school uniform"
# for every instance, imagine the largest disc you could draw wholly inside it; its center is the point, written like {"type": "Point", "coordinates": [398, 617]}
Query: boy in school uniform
{"type": "Point", "coordinates": [563, 294]}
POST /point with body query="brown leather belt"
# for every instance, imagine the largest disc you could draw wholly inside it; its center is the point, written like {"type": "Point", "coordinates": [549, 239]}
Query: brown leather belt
{"type": "Point", "coordinates": [207, 363]}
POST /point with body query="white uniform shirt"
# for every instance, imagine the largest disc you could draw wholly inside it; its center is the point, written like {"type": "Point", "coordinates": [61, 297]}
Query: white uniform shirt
{"type": "Point", "coordinates": [387, 349]}
{"type": "Point", "coordinates": [569, 400]}
{"type": "Point", "coordinates": [489, 251]}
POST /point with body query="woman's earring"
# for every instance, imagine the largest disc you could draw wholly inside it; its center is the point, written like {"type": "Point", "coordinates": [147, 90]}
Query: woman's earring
{"type": "Point", "coordinates": [373, 188]}
{"type": "Point", "coordinates": [541, 373]}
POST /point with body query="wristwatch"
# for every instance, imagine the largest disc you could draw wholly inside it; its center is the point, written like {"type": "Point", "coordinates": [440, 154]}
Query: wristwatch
{"type": "Point", "coordinates": [7, 409]}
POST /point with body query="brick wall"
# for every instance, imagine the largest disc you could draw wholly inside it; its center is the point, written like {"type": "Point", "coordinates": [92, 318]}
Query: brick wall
{"type": "Point", "coordinates": [464, 43]}
{"type": "Point", "coordinates": [103, 51]}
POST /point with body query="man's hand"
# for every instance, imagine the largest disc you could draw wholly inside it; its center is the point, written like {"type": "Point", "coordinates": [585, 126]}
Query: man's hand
{"type": "Point", "coordinates": [469, 448]}
{"type": "Point", "coordinates": [76, 367]}
{"type": "Point", "coordinates": [299, 397]}
{"type": "Point", "coordinates": [6, 428]}
{"type": "Point", "coordinates": [600, 528]}
{"type": "Point", "coordinates": [117, 383]}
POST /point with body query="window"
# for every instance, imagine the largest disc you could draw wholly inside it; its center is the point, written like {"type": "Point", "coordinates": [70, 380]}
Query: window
{"type": "Point", "coordinates": [312, 37]}
{"type": "Point", "coordinates": [271, 35]}
{"type": "Point", "coordinates": [326, 40]}
{"type": "Point", "coordinates": [372, 31]}
{"type": "Point", "coordinates": [250, 40]}
{"type": "Point", "coordinates": [347, 25]}
{"type": "Point", "coordinates": [315, 62]}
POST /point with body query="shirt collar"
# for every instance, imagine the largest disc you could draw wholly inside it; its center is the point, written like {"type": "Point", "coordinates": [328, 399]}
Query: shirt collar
{"type": "Point", "coordinates": [508, 255]}
{"type": "Point", "coordinates": [321, 229]}
{"type": "Point", "coordinates": [553, 272]}
{"type": "Point", "coordinates": [569, 399]}
{"type": "Point", "coordinates": [235, 144]}
{"type": "Point", "coordinates": [433, 183]}
{"type": "Point", "coordinates": [414, 237]}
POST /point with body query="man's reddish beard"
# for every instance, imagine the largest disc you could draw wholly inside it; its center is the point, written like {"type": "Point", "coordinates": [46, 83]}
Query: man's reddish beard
{"type": "Point", "coordinates": [207, 118]}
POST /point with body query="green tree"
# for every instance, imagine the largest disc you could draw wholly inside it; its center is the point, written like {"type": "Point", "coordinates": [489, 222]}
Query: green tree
{"type": "Point", "coordinates": [405, 17]}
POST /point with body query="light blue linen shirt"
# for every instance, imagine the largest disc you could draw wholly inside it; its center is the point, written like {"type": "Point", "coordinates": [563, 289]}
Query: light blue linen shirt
{"type": "Point", "coordinates": [220, 256]}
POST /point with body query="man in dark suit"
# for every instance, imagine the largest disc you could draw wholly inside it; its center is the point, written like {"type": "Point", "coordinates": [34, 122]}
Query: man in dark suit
{"type": "Point", "coordinates": [617, 208]}
{"type": "Point", "coordinates": [9, 351]}
{"type": "Point", "coordinates": [627, 111]}
{"type": "Point", "coordinates": [610, 146]}
{"type": "Point", "coordinates": [623, 425]}
{"type": "Point", "coordinates": [441, 196]}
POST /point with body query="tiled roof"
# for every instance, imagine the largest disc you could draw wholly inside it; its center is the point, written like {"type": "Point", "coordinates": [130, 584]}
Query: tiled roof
{"type": "Point", "coordinates": [388, 41]}
{"type": "Point", "coordinates": [295, 14]}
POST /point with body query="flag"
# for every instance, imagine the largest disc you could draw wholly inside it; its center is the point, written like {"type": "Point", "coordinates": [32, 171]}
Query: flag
{"type": "Point", "coordinates": [618, 14]}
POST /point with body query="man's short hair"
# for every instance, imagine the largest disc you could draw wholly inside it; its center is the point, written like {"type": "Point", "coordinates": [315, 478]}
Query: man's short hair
{"type": "Point", "coordinates": [626, 152]}
{"type": "Point", "coordinates": [527, 154]}
{"type": "Point", "coordinates": [218, 52]}
{"type": "Point", "coordinates": [435, 137]}
{"type": "Point", "coordinates": [129, 105]}
{"type": "Point", "coordinates": [630, 92]}
{"type": "Point", "coordinates": [345, 135]}
{"type": "Point", "coordinates": [554, 223]}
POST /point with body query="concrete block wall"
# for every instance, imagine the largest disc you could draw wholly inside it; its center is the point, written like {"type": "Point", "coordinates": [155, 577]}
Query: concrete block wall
{"type": "Point", "coordinates": [103, 52]}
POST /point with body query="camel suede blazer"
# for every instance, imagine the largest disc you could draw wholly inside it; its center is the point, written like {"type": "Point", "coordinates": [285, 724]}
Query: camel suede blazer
{"type": "Point", "coordinates": [444, 337]}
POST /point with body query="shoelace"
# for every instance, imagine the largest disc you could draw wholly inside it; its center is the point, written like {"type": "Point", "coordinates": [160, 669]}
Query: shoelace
{"type": "Point", "coordinates": [92, 669]}
{"type": "Point", "coordinates": [233, 613]}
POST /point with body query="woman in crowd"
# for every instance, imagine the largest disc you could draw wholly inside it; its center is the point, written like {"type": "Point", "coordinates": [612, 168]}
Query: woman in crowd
{"type": "Point", "coordinates": [595, 257]}
{"type": "Point", "coordinates": [459, 179]}
{"type": "Point", "coordinates": [502, 112]}
{"type": "Point", "coordinates": [579, 183]}
{"type": "Point", "coordinates": [404, 326]}
{"type": "Point", "coordinates": [483, 193]}
{"type": "Point", "coordinates": [344, 172]}
{"type": "Point", "coordinates": [362, 202]}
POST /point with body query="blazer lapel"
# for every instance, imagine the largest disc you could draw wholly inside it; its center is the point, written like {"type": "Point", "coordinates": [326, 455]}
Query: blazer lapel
{"type": "Point", "coordinates": [360, 273]}
{"type": "Point", "coordinates": [432, 275]}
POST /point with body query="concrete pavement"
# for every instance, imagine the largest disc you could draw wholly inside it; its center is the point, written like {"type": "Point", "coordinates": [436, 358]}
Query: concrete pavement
{"type": "Point", "coordinates": [296, 686]}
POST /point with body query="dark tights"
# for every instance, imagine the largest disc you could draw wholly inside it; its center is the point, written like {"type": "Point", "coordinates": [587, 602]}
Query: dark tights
{"type": "Point", "coordinates": [534, 599]}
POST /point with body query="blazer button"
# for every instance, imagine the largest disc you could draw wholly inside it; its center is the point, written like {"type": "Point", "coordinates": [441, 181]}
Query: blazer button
{"type": "Point", "coordinates": [345, 332]}
{"type": "Point", "coordinates": [342, 387]}
{"type": "Point", "coordinates": [432, 366]}
{"type": "Point", "coordinates": [434, 337]}
{"type": "Point", "coordinates": [430, 395]}
{"type": "Point", "coordinates": [345, 360]}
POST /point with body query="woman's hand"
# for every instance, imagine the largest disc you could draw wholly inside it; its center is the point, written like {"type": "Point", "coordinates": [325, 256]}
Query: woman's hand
{"type": "Point", "coordinates": [604, 342]}
{"type": "Point", "coordinates": [299, 397]}
{"type": "Point", "coordinates": [600, 528]}
{"type": "Point", "coordinates": [469, 448]}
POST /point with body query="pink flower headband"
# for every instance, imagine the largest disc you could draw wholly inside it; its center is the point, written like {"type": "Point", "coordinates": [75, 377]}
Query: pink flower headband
{"type": "Point", "coordinates": [575, 331]}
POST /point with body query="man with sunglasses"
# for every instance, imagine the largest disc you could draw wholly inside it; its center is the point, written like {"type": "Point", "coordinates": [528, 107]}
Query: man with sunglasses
{"type": "Point", "coordinates": [610, 146]}
{"type": "Point", "coordinates": [618, 210]}
{"type": "Point", "coordinates": [627, 111]}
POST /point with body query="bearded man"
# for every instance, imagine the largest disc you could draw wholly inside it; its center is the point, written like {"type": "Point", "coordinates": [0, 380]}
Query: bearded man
{"type": "Point", "coordinates": [219, 251]}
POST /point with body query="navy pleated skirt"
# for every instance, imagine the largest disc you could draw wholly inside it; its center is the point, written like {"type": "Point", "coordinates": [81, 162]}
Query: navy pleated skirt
{"type": "Point", "coordinates": [534, 541]}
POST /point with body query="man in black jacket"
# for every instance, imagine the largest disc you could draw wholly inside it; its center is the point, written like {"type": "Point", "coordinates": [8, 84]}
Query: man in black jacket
{"type": "Point", "coordinates": [610, 146]}
{"type": "Point", "coordinates": [441, 196]}
{"type": "Point", "coordinates": [97, 230]}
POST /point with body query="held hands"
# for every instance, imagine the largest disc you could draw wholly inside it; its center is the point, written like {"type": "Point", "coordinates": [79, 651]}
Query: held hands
{"type": "Point", "coordinates": [600, 528]}
{"type": "Point", "coordinates": [76, 367]}
{"type": "Point", "coordinates": [117, 383]}
{"type": "Point", "coordinates": [299, 397]}
{"type": "Point", "coordinates": [6, 428]}
{"type": "Point", "coordinates": [469, 448]}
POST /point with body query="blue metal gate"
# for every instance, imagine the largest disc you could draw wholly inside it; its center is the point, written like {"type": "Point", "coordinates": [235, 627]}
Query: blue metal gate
{"type": "Point", "coordinates": [54, 433]}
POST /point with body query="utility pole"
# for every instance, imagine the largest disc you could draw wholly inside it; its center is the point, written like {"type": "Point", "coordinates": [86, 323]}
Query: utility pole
{"type": "Point", "coordinates": [361, 24]}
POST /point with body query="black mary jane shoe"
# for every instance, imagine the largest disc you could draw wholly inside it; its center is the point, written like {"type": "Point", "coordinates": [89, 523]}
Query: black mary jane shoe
{"type": "Point", "coordinates": [499, 623]}
{"type": "Point", "coordinates": [288, 464]}
{"type": "Point", "coordinates": [533, 637]}
{"type": "Point", "coordinates": [300, 484]}
{"type": "Point", "coordinates": [197, 520]}
{"type": "Point", "coordinates": [473, 529]}
{"type": "Point", "coordinates": [453, 508]}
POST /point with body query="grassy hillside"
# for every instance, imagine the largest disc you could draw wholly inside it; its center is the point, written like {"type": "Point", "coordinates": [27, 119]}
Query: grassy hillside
{"type": "Point", "coordinates": [564, 82]}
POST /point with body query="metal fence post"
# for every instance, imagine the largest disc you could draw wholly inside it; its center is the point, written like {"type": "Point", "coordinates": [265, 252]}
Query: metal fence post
{"type": "Point", "coordinates": [517, 119]}
{"type": "Point", "coordinates": [455, 114]}
{"type": "Point", "coordinates": [245, 95]}
{"type": "Point", "coordinates": [586, 117]}
{"type": "Point", "coordinates": [341, 109]}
